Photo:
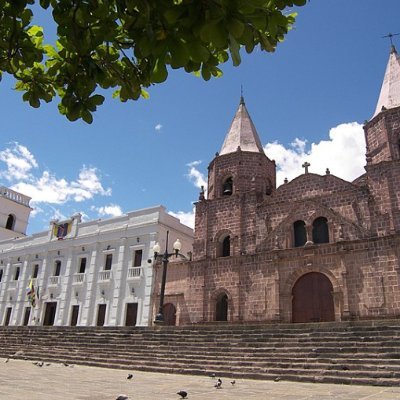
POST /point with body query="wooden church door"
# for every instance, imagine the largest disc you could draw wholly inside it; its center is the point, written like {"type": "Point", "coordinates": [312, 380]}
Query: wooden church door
{"type": "Point", "coordinates": [312, 299]}
{"type": "Point", "coordinates": [221, 313]}
{"type": "Point", "coordinates": [169, 312]}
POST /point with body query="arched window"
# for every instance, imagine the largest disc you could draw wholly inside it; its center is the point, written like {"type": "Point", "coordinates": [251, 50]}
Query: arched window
{"type": "Point", "coordinates": [221, 308]}
{"type": "Point", "coordinates": [227, 187]}
{"type": "Point", "coordinates": [10, 222]}
{"type": "Point", "coordinates": [300, 235]}
{"type": "Point", "coordinates": [226, 247]}
{"type": "Point", "coordinates": [320, 232]}
{"type": "Point", "coordinates": [268, 187]}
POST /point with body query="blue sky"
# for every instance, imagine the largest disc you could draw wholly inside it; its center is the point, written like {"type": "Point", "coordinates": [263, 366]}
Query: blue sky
{"type": "Point", "coordinates": [308, 101]}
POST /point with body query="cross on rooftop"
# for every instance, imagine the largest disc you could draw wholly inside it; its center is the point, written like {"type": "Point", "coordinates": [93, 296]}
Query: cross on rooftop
{"type": "Point", "coordinates": [305, 166]}
{"type": "Point", "coordinates": [390, 36]}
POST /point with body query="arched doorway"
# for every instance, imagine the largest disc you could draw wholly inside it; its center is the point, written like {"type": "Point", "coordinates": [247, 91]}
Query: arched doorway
{"type": "Point", "coordinates": [169, 313]}
{"type": "Point", "coordinates": [221, 308]}
{"type": "Point", "coordinates": [312, 299]}
{"type": "Point", "coordinates": [10, 222]}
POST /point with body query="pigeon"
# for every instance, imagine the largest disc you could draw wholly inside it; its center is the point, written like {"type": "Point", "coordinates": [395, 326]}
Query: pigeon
{"type": "Point", "coordinates": [122, 397]}
{"type": "Point", "coordinates": [277, 379]}
{"type": "Point", "coordinates": [66, 364]}
{"type": "Point", "coordinates": [6, 361]}
{"type": "Point", "coordinates": [233, 382]}
{"type": "Point", "coordinates": [40, 364]}
{"type": "Point", "coordinates": [183, 394]}
{"type": "Point", "coordinates": [130, 376]}
{"type": "Point", "coordinates": [48, 365]}
{"type": "Point", "coordinates": [218, 385]}
{"type": "Point", "coordinates": [212, 376]}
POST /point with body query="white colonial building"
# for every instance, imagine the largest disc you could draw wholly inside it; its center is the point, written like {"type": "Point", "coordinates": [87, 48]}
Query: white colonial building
{"type": "Point", "coordinates": [83, 273]}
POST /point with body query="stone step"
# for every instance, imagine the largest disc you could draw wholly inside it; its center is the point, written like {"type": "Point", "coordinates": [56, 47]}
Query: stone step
{"type": "Point", "coordinates": [362, 352]}
{"type": "Point", "coordinates": [335, 367]}
{"type": "Point", "coordinates": [353, 377]}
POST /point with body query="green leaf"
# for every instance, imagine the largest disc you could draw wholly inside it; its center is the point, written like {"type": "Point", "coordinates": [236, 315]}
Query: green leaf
{"type": "Point", "coordinates": [144, 94]}
{"type": "Point", "coordinates": [87, 116]}
{"type": "Point", "coordinates": [235, 51]}
{"type": "Point", "coordinates": [44, 3]}
{"type": "Point", "coordinates": [197, 52]}
{"type": "Point", "coordinates": [235, 28]}
{"type": "Point", "coordinates": [160, 72]}
{"type": "Point", "coordinates": [205, 73]}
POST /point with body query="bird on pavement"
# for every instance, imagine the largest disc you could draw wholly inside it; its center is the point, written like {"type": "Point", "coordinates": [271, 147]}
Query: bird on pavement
{"type": "Point", "coordinates": [122, 397]}
{"type": "Point", "coordinates": [130, 376]}
{"type": "Point", "coordinates": [218, 385]}
{"type": "Point", "coordinates": [8, 359]}
{"type": "Point", "coordinates": [233, 382]}
{"type": "Point", "coordinates": [183, 394]}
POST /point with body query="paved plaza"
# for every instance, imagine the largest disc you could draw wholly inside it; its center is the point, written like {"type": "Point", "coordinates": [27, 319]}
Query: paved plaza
{"type": "Point", "coordinates": [24, 380]}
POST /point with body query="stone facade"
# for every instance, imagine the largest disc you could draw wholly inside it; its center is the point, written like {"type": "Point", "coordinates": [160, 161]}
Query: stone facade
{"type": "Point", "coordinates": [317, 248]}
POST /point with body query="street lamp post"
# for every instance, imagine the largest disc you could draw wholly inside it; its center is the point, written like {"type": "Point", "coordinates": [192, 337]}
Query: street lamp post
{"type": "Point", "coordinates": [165, 259]}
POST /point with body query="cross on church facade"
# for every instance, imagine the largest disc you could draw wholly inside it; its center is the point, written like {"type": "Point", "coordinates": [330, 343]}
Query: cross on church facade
{"type": "Point", "coordinates": [305, 166]}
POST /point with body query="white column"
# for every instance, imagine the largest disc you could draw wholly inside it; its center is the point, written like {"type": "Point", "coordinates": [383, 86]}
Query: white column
{"type": "Point", "coordinates": [41, 285]}
{"type": "Point", "coordinates": [117, 301]}
{"type": "Point", "coordinates": [4, 293]}
{"type": "Point", "coordinates": [145, 305]}
{"type": "Point", "coordinates": [64, 297]}
{"type": "Point", "coordinates": [88, 312]}
{"type": "Point", "coordinates": [21, 299]}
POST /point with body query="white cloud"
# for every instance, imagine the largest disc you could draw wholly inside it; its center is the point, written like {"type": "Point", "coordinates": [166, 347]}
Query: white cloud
{"type": "Point", "coordinates": [20, 168]}
{"type": "Point", "coordinates": [343, 154]}
{"type": "Point", "coordinates": [158, 127]}
{"type": "Point", "coordinates": [112, 210]}
{"type": "Point", "coordinates": [58, 215]}
{"type": "Point", "coordinates": [195, 176]}
{"type": "Point", "coordinates": [19, 161]}
{"type": "Point", "coordinates": [48, 189]}
{"type": "Point", "coordinates": [186, 218]}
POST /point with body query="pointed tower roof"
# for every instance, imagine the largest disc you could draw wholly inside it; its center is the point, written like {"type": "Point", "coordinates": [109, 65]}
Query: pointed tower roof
{"type": "Point", "coordinates": [242, 133]}
{"type": "Point", "coordinates": [390, 91]}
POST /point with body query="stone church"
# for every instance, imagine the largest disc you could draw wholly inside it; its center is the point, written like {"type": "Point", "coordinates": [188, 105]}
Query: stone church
{"type": "Point", "coordinates": [315, 249]}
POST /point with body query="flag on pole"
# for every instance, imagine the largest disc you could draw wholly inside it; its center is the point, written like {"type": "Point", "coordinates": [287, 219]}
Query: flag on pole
{"type": "Point", "coordinates": [30, 291]}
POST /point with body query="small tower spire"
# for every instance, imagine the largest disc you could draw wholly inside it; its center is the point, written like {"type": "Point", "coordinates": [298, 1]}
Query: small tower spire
{"type": "Point", "coordinates": [389, 96]}
{"type": "Point", "coordinates": [242, 133]}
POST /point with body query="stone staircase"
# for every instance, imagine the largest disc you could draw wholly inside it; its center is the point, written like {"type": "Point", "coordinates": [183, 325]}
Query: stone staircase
{"type": "Point", "coordinates": [350, 352]}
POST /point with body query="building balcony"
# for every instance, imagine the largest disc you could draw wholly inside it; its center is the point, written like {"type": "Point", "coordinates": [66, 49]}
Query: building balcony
{"type": "Point", "coordinates": [134, 272]}
{"type": "Point", "coordinates": [14, 196]}
{"type": "Point", "coordinates": [104, 276]}
{"type": "Point", "coordinates": [78, 278]}
{"type": "Point", "coordinates": [54, 280]}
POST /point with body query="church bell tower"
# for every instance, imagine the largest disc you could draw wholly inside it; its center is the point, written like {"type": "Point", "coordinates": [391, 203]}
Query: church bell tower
{"type": "Point", "coordinates": [239, 178]}
{"type": "Point", "coordinates": [382, 136]}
